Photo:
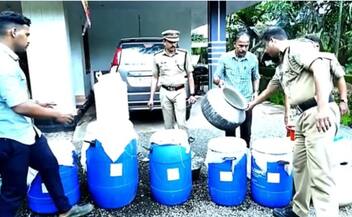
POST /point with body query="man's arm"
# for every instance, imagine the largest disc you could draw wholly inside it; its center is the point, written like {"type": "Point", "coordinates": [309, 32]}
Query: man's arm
{"type": "Point", "coordinates": [152, 91]}
{"type": "Point", "coordinates": [287, 110]}
{"type": "Point", "coordinates": [154, 83]}
{"type": "Point", "coordinates": [189, 70]}
{"type": "Point", "coordinates": [219, 73]}
{"type": "Point", "coordinates": [192, 98]}
{"type": "Point", "coordinates": [269, 90]}
{"type": "Point", "coordinates": [34, 110]}
{"type": "Point", "coordinates": [255, 77]}
{"type": "Point", "coordinates": [341, 86]}
{"type": "Point", "coordinates": [321, 75]}
{"type": "Point", "coordinates": [255, 85]}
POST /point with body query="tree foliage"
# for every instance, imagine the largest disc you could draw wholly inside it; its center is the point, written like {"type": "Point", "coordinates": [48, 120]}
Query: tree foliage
{"type": "Point", "coordinates": [299, 18]}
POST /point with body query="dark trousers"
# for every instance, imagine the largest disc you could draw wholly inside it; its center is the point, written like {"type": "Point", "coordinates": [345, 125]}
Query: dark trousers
{"type": "Point", "coordinates": [15, 158]}
{"type": "Point", "coordinates": [245, 129]}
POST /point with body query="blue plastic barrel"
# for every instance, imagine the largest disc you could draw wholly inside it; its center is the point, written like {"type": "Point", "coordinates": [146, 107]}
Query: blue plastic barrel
{"type": "Point", "coordinates": [271, 178]}
{"type": "Point", "coordinates": [170, 173]}
{"type": "Point", "coordinates": [227, 173]}
{"type": "Point", "coordinates": [112, 184]}
{"type": "Point", "coordinates": [39, 200]}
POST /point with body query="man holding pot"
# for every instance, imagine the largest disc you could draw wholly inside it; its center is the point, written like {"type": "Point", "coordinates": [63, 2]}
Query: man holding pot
{"type": "Point", "coordinates": [238, 69]}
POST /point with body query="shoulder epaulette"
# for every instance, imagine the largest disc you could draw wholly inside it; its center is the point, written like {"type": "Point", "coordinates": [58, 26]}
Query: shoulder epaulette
{"type": "Point", "coordinates": [158, 52]}
{"type": "Point", "coordinates": [182, 50]}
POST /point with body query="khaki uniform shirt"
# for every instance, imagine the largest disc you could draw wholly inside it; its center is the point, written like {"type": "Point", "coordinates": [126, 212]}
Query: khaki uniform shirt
{"type": "Point", "coordinates": [336, 69]}
{"type": "Point", "coordinates": [293, 73]}
{"type": "Point", "coordinates": [172, 70]}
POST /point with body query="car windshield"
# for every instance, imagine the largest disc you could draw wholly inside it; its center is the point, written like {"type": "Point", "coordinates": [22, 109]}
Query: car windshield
{"type": "Point", "coordinates": [139, 54]}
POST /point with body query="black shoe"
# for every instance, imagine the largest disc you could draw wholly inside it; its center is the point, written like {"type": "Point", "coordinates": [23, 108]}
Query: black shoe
{"type": "Point", "coordinates": [284, 212]}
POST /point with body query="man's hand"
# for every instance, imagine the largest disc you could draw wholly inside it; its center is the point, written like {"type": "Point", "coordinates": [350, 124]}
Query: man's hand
{"type": "Point", "coordinates": [219, 82]}
{"type": "Point", "coordinates": [64, 118]}
{"type": "Point", "coordinates": [343, 107]}
{"type": "Point", "coordinates": [250, 105]}
{"type": "Point", "coordinates": [192, 99]}
{"type": "Point", "coordinates": [151, 103]}
{"type": "Point", "coordinates": [323, 122]}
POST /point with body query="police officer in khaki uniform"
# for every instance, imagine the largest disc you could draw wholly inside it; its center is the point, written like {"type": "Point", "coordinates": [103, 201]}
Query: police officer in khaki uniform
{"type": "Point", "coordinates": [337, 73]}
{"type": "Point", "coordinates": [305, 78]}
{"type": "Point", "coordinates": [172, 69]}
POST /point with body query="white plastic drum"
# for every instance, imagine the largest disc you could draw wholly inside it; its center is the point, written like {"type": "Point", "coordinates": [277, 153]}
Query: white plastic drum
{"type": "Point", "coordinates": [342, 170]}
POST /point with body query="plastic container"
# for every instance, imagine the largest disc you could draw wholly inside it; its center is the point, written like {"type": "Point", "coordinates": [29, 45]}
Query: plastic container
{"type": "Point", "coordinates": [112, 184]}
{"type": "Point", "coordinates": [342, 169]}
{"type": "Point", "coordinates": [39, 200]}
{"type": "Point", "coordinates": [170, 167]}
{"type": "Point", "coordinates": [227, 170]}
{"type": "Point", "coordinates": [271, 173]}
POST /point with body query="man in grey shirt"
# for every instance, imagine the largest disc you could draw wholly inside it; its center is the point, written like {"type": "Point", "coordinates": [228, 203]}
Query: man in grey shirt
{"type": "Point", "coordinates": [239, 69]}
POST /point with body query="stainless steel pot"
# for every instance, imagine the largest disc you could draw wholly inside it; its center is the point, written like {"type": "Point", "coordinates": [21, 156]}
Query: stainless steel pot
{"type": "Point", "coordinates": [224, 108]}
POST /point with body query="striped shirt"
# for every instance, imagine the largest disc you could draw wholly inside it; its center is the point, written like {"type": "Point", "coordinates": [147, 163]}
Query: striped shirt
{"type": "Point", "coordinates": [238, 72]}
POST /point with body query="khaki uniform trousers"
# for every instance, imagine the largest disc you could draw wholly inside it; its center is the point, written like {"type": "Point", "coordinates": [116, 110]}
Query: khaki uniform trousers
{"type": "Point", "coordinates": [173, 104]}
{"type": "Point", "coordinates": [312, 163]}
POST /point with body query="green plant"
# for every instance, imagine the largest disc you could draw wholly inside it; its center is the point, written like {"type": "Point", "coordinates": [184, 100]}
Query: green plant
{"type": "Point", "coordinates": [277, 98]}
{"type": "Point", "coordinates": [346, 120]}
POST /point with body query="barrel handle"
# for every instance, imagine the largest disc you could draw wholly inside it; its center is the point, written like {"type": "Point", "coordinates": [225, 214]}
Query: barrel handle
{"type": "Point", "coordinates": [146, 148]}
{"type": "Point", "coordinates": [98, 75]}
{"type": "Point", "coordinates": [229, 158]}
{"type": "Point", "coordinates": [191, 139]}
{"type": "Point", "coordinates": [283, 162]}
{"type": "Point", "coordinates": [91, 143]}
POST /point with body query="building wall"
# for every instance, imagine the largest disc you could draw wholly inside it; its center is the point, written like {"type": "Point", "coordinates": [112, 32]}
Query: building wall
{"type": "Point", "coordinates": [109, 24]}
{"type": "Point", "coordinates": [49, 54]}
{"type": "Point", "coordinates": [76, 18]}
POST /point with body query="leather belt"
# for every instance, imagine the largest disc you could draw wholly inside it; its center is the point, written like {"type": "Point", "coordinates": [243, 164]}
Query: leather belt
{"type": "Point", "coordinates": [173, 88]}
{"type": "Point", "coordinates": [310, 103]}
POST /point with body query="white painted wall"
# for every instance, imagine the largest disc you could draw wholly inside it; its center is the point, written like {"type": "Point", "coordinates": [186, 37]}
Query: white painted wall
{"type": "Point", "coordinates": [49, 54]}
{"type": "Point", "coordinates": [76, 18]}
{"type": "Point", "coordinates": [55, 56]}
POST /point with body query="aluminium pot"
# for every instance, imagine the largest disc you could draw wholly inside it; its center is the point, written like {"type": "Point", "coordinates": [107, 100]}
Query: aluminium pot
{"type": "Point", "coordinates": [224, 108]}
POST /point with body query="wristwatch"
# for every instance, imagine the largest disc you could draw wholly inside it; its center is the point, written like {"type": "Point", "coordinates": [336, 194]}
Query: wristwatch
{"type": "Point", "coordinates": [192, 94]}
{"type": "Point", "coordinates": [343, 100]}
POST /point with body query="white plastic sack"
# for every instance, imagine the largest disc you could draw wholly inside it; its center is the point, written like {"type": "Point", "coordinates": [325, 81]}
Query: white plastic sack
{"type": "Point", "coordinates": [273, 150]}
{"type": "Point", "coordinates": [221, 149]}
{"type": "Point", "coordinates": [114, 137]}
{"type": "Point", "coordinates": [171, 136]}
{"type": "Point", "coordinates": [62, 150]}
{"type": "Point", "coordinates": [111, 98]}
